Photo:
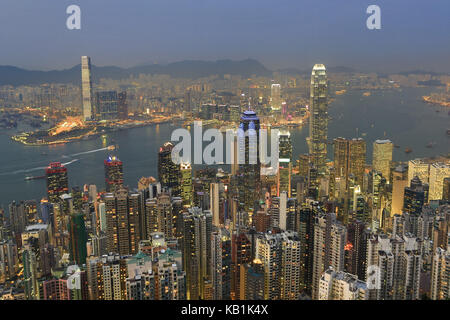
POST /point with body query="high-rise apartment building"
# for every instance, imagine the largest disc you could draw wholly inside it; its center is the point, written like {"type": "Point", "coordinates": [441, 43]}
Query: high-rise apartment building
{"type": "Point", "coordinates": [440, 275]}
{"type": "Point", "coordinates": [341, 286]}
{"type": "Point", "coordinates": [122, 222]}
{"type": "Point", "coordinates": [113, 173]}
{"type": "Point", "coordinates": [197, 251]}
{"type": "Point", "coordinates": [57, 181]}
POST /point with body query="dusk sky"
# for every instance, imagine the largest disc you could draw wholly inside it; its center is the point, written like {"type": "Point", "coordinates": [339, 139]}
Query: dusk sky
{"type": "Point", "coordinates": [279, 33]}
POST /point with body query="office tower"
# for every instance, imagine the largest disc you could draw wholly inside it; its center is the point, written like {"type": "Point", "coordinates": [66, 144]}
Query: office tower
{"type": "Point", "coordinates": [419, 168]}
{"type": "Point", "coordinates": [122, 106]}
{"type": "Point", "coordinates": [446, 189]}
{"type": "Point", "coordinates": [415, 197]}
{"type": "Point", "coordinates": [86, 88]}
{"type": "Point", "coordinates": [275, 97]}
{"type": "Point", "coordinates": [394, 263]}
{"type": "Point", "coordinates": [248, 141]}
{"type": "Point", "coordinates": [350, 159]}
{"type": "Point", "coordinates": [303, 165]}
{"type": "Point", "coordinates": [78, 239]}
{"type": "Point", "coordinates": [438, 171]}
{"type": "Point", "coordinates": [113, 173]}
{"type": "Point", "coordinates": [285, 162]}
{"type": "Point", "coordinates": [341, 286]}
{"type": "Point", "coordinates": [306, 235]}
{"type": "Point", "coordinates": [106, 277]}
{"type": "Point", "coordinates": [221, 264]}
{"type": "Point", "coordinates": [168, 171]}
{"type": "Point", "coordinates": [197, 251]}
{"type": "Point", "coordinates": [186, 183]}
{"type": "Point", "coordinates": [57, 182]}
{"type": "Point", "coordinates": [107, 105]}
{"type": "Point", "coordinates": [440, 275]}
{"type": "Point", "coordinates": [382, 158]}
{"type": "Point", "coordinates": [240, 254]}
{"type": "Point", "coordinates": [214, 203]}
{"type": "Point", "coordinates": [399, 183]}
{"type": "Point", "coordinates": [122, 222]}
{"type": "Point", "coordinates": [356, 249]}
{"type": "Point", "coordinates": [318, 121]}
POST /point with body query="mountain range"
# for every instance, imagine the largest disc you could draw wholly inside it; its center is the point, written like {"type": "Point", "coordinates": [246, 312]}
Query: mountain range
{"type": "Point", "coordinates": [191, 69]}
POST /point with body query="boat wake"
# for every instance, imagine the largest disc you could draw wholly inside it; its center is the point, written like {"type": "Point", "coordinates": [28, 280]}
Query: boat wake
{"type": "Point", "coordinates": [85, 152]}
{"type": "Point", "coordinates": [35, 169]}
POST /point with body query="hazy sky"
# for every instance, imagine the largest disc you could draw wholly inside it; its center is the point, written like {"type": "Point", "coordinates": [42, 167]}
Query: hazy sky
{"type": "Point", "coordinates": [415, 34]}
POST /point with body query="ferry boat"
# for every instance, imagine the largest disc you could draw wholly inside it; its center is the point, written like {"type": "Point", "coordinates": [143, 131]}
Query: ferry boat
{"type": "Point", "coordinates": [28, 178]}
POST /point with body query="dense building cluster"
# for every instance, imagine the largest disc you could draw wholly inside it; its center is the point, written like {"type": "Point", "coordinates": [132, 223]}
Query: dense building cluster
{"type": "Point", "coordinates": [315, 229]}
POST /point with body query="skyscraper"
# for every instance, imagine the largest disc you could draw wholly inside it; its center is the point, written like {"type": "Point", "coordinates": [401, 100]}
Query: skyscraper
{"type": "Point", "coordinates": [438, 171]}
{"type": "Point", "coordinates": [86, 88]}
{"type": "Point", "coordinates": [113, 173]}
{"type": "Point", "coordinates": [168, 171]}
{"type": "Point", "coordinates": [318, 122]}
{"type": "Point", "coordinates": [285, 162]}
{"type": "Point", "coordinates": [248, 140]}
{"type": "Point", "coordinates": [186, 183]}
{"type": "Point", "coordinates": [122, 222]}
{"type": "Point", "coordinates": [107, 105]}
{"type": "Point", "coordinates": [197, 251]}
{"type": "Point", "coordinates": [350, 159]}
{"type": "Point", "coordinates": [78, 239]}
{"type": "Point", "coordinates": [275, 97]}
{"type": "Point", "coordinates": [415, 197]}
{"type": "Point", "coordinates": [399, 183]}
{"type": "Point", "coordinates": [57, 182]}
{"type": "Point", "coordinates": [122, 106]}
{"type": "Point", "coordinates": [382, 158]}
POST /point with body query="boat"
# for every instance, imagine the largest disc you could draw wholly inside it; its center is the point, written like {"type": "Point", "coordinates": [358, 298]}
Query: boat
{"type": "Point", "coordinates": [408, 150]}
{"type": "Point", "coordinates": [396, 145]}
{"type": "Point", "coordinates": [34, 178]}
{"type": "Point", "coordinates": [430, 144]}
{"type": "Point", "coordinates": [448, 132]}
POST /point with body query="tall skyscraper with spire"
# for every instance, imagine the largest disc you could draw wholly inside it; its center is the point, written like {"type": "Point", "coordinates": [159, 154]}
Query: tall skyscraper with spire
{"type": "Point", "coordinates": [86, 88]}
{"type": "Point", "coordinates": [318, 122]}
{"type": "Point", "coordinates": [248, 139]}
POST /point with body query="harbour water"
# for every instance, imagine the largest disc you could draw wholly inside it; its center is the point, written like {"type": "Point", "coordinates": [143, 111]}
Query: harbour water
{"type": "Point", "coordinates": [398, 115]}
